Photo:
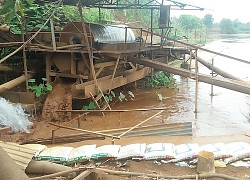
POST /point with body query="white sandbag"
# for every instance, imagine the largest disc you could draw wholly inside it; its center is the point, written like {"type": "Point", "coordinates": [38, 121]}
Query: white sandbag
{"type": "Point", "coordinates": [219, 150]}
{"type": "Point", "coordinates": [81, 154]}
{"type": "Point", "coordinates": [238, 150]}
{"type": "Point", "coordinates": [136, 150]}
{"type": "Point", "coordinates": [186, 151]}
{"type": "Point", "coordinates": [106, 151]}
{"type": "Point", "coordinates": [38, 147]}
{"type": "Point", "coordinates": [159, 151]}
{"type": "Point", "coordinates": [55, 154]}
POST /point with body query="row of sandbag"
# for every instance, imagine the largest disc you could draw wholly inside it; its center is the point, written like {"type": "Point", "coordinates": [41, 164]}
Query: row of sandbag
{"type": "Point", "coordinates": [172, 153]}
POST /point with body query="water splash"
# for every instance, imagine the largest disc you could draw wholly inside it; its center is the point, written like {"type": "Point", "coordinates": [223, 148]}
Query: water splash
{"type": "Point", "coordinates": [13, 116]}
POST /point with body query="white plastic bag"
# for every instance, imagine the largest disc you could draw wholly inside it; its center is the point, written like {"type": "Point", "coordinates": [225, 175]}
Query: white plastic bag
{"type": "Point", "coordinates": [106, 151]}
{"type": "Point", "coordinates": [55, 154]}
{"type": "Point", "coordinates": [185, 151]}
{"type": "Point", "coordinates": [81, 154]}
{"type": "Point", "coordinates": [219, 150]}
{"type": "Point", "coordinates": [38, 147]}
{"type": "Point", "coordinates": [238, 150]}
{"type": "Point", "coordinates": [132, 151]}
{"type": "Point", "coordinates": [159, 151]}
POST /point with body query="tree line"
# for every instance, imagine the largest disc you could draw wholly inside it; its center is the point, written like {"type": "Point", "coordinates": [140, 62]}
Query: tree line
{"type": "Point", "coordinates": [13, 13]}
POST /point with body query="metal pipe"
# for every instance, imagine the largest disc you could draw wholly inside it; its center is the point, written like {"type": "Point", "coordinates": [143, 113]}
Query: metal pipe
{"type": "Point", "coordinates": [13, 83]}
{"type": "Point", "coordinates": [215, 69]}
{"type": "Point", "coordinates": [235, 85]}
{"type": "Point", "coordinates": [5, 68]}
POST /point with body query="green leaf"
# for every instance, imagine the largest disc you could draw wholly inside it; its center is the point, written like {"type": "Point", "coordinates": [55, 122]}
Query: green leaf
{"type": "Point", "coordinates": [32, 80]}
{"type": "Point", "coordinates": [7, 7]}
{"type": "Point", "coordinates": [10, 16]}
{"type": "Point", "coordinates": [30, 2]}
{"type": "Point", "coordinates": [49, 87]}
{"type": "Point", "coordinates": [112, 93]}
{"type": "Point", "coordinates": [92, 106]}
{"type": "Point", "coordinates": [44, 79]}
{"type": "Point", "coordinates": [38, 93]}
{"type": "Point", "coordinates": [85, 108]}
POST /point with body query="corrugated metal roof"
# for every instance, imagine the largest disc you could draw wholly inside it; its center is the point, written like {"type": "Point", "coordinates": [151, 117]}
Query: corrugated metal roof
{"type": "Point", "coordinates": [171, 129]}
{"type": "Point", "coordinates": [20, 154]}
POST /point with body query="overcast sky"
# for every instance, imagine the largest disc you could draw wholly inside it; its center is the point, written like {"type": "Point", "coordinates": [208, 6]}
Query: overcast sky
{"type": "Point", "coordinates": [238, 9]}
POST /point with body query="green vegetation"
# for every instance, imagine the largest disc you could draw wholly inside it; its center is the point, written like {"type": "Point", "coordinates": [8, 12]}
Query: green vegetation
{"type": "Point", "coordinates": [14, 12]}
{"type": "Point", "coordinates": [110, 98]}
{"type": "Point", "coordinates": [40, 90]}
{"type": "Point", "coordinates": [160, 79]}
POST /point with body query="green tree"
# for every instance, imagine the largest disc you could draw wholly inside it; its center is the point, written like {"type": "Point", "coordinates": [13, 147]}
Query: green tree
{"type": "Point", "coordinates": [13, 10]}
{"type": "Point", "coordinates": [208, 20]}
{"type": "Point", "coordinates": [190, 22]}
{"type": "Point", "coordinates": [227, 26]}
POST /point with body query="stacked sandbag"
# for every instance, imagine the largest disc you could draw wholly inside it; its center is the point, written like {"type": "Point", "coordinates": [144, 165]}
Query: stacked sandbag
{"type": "Point", "coordinates": [167, 152]}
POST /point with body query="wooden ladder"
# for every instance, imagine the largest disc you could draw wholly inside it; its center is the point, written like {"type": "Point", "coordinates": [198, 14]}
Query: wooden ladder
{"type": "Point", "coordinates": [98, 100]}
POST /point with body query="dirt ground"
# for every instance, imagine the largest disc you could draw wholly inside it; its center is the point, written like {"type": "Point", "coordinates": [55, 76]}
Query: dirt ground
{"type": "Point", "coordinates": [60, 99]}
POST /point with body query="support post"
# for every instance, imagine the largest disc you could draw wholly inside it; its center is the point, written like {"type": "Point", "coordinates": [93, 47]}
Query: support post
{"type": "Point", "coordinates": [196, 82]}
{"type": "Point", "coordinates": [212, 87]}
{"type": "Point", "coordinates": [53, 35]}
{"type": "Point", "coordinates": [113, 75]}
{"type": "Point", "coordinates": [24, 60]}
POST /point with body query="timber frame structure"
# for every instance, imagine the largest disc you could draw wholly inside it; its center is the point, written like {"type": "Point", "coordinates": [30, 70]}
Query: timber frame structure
{"type": "Point", "coordinates": [74, 52]}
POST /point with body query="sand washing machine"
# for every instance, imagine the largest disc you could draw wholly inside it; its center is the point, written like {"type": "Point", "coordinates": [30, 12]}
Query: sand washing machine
{"type": "Point", "coordinates": [109, 45]}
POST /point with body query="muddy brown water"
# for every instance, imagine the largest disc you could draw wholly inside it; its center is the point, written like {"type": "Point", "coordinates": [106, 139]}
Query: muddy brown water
{"type": "Point", "coordinates": [225, 113]}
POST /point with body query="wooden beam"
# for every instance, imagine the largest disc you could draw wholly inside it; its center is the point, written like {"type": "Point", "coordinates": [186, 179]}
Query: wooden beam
{"type": "Point", "coordinates": [99, 71]}
{"type": "Point", "coordinates": [113, 110]}
{"type": "Point", "coordinates": [82, 130]}
{"type": "Point", "coordinates": [140, 124]}
{"type": "Point", "coordinates": [113, 75]}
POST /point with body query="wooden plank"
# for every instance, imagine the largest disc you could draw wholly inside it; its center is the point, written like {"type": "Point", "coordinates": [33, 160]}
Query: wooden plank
{"type": "Point", "coordinates": [118, 81]}
{"type": "Point", "coordinates": [68, 75]}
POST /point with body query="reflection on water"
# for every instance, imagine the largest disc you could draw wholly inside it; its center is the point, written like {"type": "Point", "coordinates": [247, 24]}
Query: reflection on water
{"type": "Point", "coordinates": [226, 112]}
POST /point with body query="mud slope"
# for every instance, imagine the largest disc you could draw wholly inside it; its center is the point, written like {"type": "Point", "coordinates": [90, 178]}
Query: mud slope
{"type": "Point", "coordinates": [60, 98]}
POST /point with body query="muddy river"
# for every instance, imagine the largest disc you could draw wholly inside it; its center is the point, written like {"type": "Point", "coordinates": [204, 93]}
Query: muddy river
{"type": "Point", "coordinates": [226, 112]}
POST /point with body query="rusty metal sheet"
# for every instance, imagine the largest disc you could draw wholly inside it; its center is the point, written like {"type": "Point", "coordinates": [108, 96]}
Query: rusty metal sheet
{"type": "Point", "coordinates": [20, 154]}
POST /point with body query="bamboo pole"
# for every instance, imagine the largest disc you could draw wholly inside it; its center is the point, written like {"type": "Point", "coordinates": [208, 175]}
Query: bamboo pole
{"type": "Point", "coordinates": [196, 176]}
{"type": "Point", "coordinates": [82, 130]}
{"type": "Point", "coordinates": [113, 75]}
{"type": "Point", "coordinates": [113, 110]}
{"type": "Point", "coordinates": [200, 48]}
{"type": "Point", "coordinates": [32, 37]}
{"type": "Point", "coordinates": [140, 124]}
{"type": "Point", "coordinates": [13, 83]}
